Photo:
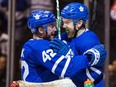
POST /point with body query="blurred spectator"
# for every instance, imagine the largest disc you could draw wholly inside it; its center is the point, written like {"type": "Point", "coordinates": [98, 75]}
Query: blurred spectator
{"type": "Point", "coordinates": [3, 22]}
{"type": "Point", "coordinates": [2, 70]}
{"type": "Point", "coordinates": [21, 14]}
{"type": "Point", "coordinates": [3, 43]}
{"type": "Point", "coordinates": [114, 65]}
{"type": "Point", "coordinates": [3, 36]}
{"type": "Point", "coordinates": [22, 7]}
{"type": "Point", "coordinates": [21, 32]}
{"type": "Point", "coordinates": [112, 76]}
{"type": "Point", "coordinates": [111, 71]}
{"type": "Point", "coordinates": [41, 5]}
{"type": "Point", "coordinates": [3, 33]}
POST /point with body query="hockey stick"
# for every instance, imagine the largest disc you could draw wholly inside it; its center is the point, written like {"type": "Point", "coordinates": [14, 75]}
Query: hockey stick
{"type": "Point", "coordinates": [57, 83]}
{"type": "Point", "coordinates": [58, 19]}
{"type": "Point", "coordinates": [94, 15]}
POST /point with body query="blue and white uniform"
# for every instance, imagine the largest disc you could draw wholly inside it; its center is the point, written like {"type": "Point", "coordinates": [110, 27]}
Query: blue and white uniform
{"type": "Point", "coordinates": [85, 41]}
{"type": "Point", "coordinates": [40, 64]}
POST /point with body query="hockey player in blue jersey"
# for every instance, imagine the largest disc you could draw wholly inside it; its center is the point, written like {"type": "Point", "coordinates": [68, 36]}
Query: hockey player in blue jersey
{"type": "Point", "coordinates": [38, 61]}
{"type": "Point", "coordinates": [74, 17]}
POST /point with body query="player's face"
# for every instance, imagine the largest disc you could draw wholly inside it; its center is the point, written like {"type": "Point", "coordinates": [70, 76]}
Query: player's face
{"type": "Point", "coordinates": [51, 30]}
{"type": "Point", "coordinates": [69, 27]}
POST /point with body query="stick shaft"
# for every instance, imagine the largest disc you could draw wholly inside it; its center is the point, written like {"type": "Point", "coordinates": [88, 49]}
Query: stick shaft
{"type": "Point", "coordinates": [58, 19]}
{"type": "Point", "coordinates": [94, 15]}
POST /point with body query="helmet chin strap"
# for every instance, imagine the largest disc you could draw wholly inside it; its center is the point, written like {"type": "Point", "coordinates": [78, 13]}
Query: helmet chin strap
{"type": "Point", "coordinates": [47, 37]}
{"type": "Point", "coordinates": [76, 30]}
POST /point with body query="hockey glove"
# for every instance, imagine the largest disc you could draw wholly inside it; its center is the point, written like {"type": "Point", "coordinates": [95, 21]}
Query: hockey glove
{"type": "Point", "coordinates": [96, 55]}
{"type": "Point", "coordinates": [59, 46]}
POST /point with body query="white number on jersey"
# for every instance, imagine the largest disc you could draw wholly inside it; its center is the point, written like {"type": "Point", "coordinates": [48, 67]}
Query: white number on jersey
{"type": "Point", "coordinates": [48, 54]}
{"type": "Point", "coordinates": [26, 69]}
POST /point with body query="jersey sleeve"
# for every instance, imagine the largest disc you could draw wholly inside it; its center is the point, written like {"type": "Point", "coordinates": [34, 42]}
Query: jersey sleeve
{"type": "Point", "coordinates": [63, 66]}
{"type": "Point", "coordinates": [43, 56]}
{"type": "Point", "coordinates": [83, 43]}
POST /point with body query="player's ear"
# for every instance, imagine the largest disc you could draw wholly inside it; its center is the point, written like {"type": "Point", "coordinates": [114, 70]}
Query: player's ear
{"type": "Point", "coordinates": [79, 24]}
{"type": "Point", "coordinates": [41, 32]}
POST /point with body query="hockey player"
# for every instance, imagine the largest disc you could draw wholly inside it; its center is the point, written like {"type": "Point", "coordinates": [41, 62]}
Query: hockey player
{"type": "Point", "coordinates": [38, 61]}
{"type": "Point", "coordinates": [74, 17]}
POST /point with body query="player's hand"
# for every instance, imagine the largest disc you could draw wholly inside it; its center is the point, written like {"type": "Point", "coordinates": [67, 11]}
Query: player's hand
{"type": "Point", "coordinates": [59, 46]}
{"type": "Point", "coordinates": [96, 55]}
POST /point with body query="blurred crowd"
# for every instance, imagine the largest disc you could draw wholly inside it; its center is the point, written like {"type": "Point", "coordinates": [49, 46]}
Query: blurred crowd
{"type": "Point", "coordinates": [23, 9]}
{"type": "Point", "coordinates": [3, 60]}
{"type": "Point", "coordinates": [112, 74]}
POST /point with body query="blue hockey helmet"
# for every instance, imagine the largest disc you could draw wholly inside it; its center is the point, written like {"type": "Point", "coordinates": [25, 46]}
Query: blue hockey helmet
{"type": "Point", "coordinates": [75, 11]}
{"type": "Point", "coordinates": [40, 18]}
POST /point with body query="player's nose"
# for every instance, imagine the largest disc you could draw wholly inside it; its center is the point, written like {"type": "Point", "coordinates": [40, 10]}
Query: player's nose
{"type": "Point", "coordinates": [55, 29]}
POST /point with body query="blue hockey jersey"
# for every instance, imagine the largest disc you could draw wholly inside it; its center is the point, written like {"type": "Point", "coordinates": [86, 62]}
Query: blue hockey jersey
{"type": "Point", "coordinates": [40, 64]}
{"type": "Point", "coordinates": [85, 41]}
